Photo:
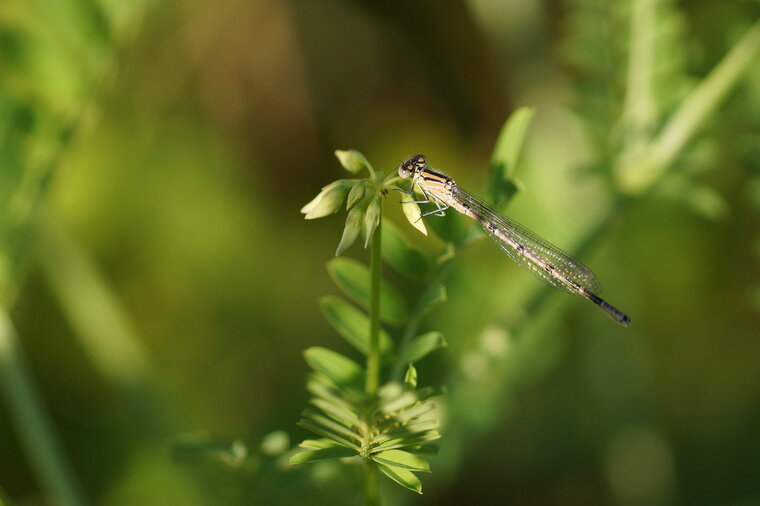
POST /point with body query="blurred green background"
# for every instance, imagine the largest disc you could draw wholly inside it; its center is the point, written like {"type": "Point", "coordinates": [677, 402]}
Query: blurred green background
{"type": "Point", "coordinates": [157, 278]}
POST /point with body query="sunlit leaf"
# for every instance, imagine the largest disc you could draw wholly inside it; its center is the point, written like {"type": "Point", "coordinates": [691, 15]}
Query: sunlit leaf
{"type": "Point", "coordinates": [403, 477]}
{"type": "Point", "coordinates": [410, 378]}
{"type": "Point", "coordinates": [341, 370]}
{"type": "Point", "coordinates": [400, 458]}
{"type": "Point", "coordinates": [421, 345]}
{"type": "Point", "coordinates": [506, 153]}
{"type": "Point", "coordinates": [354, 279]}
{"type": "Point", "coordinates": [316, 444]}
{"type": "Point", "coordinates": [414, 216]}
{"type": "Point", "coordinates": [336, 452]}
{"type": "Point", "coordinates": [352, 324]}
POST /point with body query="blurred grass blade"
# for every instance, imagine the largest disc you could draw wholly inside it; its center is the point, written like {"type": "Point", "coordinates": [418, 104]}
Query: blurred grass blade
{"type": "Point", "coordinates": [42, 447]}
{"type": "Point", "coordinates": [337, 452]}
{"type": "Point", "coordinates": [105, 332]}
{"type": "Point", "coordinates": [400, 458]}
{"type": "Point", "coordinates": [352, 324]}
{"type": "Point", "coordinates": [403, 258]}
{"type": "Point", "coordinates": [421, 346]}
{"type": "Point", "coordinates": [343, 371]}
{"type": "Point", "coordinates": [403, 477]}
{"type": "Point", "coordinates": [354, 279]}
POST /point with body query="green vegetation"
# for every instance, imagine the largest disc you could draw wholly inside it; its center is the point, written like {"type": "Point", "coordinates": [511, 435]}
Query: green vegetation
{"type": "Point", "coordinates": [159, 291]}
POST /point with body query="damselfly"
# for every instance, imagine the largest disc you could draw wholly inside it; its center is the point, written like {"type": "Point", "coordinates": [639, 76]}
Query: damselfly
{"type": "Point", "coordinates": [527, 249]}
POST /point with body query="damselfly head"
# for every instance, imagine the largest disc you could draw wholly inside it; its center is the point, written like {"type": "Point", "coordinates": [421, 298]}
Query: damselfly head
{"type": "Point", "coordinates": [409, 167]}
{"type": "Point", "coordinates": [406, 169]}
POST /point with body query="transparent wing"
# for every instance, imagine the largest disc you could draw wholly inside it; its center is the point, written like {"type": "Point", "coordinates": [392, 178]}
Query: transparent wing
{"type": "Point", "coordinates": [520, 236]}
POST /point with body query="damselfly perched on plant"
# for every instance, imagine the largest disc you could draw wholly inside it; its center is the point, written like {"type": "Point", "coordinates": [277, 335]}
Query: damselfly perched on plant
{"type": "Point", "coordinates": [528, 250]}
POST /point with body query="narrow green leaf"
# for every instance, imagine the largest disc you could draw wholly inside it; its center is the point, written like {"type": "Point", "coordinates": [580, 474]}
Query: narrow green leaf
{"type": "Point", "coordinates": [318, 429]}
{"type": "Point", "coordinates": [405, 478]}
{"type": "Point", "coordinates": [341, 370]}
{"type": "Point", "coordinates": [331, 425]}
{"type": "Point", "coordinates": [403, 401]}
{"type": "Point", "coordinates": [354, 279]}
{"type": "Point", "coordinates": [414, 216]}
{"type": "Point", "coordinates": [421, 346]}
{"type": "Point", "coordinates": [338, 412]}
{"type": "Point", "coordinates": [406, 441]}
{"type": "Point", "coordinates": [352, 324]}
{"type": "Point", "coordinates": [419, 412]}
{"type": "Point", "coordinates": [323, 388]}
{"type": "Point", "coordinates": [400, 458]}
{"type": "Point", "coordinates": [410, 378]}
{"type": "Point", "coordinates": [316, 444]}
{"type": "Point", "coordinates": [336, 452]}
{"type": "Point", "coordinates": [352, 160]}
{"type": "Point", "coordinates": [403, 258]}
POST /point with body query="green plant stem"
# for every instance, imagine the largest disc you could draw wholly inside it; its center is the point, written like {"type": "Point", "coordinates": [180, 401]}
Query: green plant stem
{"type": "Point", "coordinates": [639, 111]}
{"type": "Point", "coordinates": [640, 173]}
{"type": "Point", "coordinates": [371, 493]}
{"type": "Point", "coordinates": [32, 424]}
{"type": "Point", "coordinates": [373, 359]}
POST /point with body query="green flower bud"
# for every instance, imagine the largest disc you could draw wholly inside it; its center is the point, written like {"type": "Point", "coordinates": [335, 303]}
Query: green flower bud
{"type": "Point", "coordinates": [351, 230]}
{"type": "Point", "coordinates": [355, 195]}
{"type": "Point", "coordinates": [352, 160]}
{"type": "Point", "coordinates": [329, 200]}
{"type": "Point", "coordinates": [371, 219]}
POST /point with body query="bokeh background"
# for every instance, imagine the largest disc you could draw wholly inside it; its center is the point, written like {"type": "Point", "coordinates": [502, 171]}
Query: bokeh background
{"type": "Point", "coordinates": [158, 280]}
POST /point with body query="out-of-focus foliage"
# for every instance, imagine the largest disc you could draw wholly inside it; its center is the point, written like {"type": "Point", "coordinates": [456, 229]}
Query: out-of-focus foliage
{"type": "Point", "coordinates": [162, 285]}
